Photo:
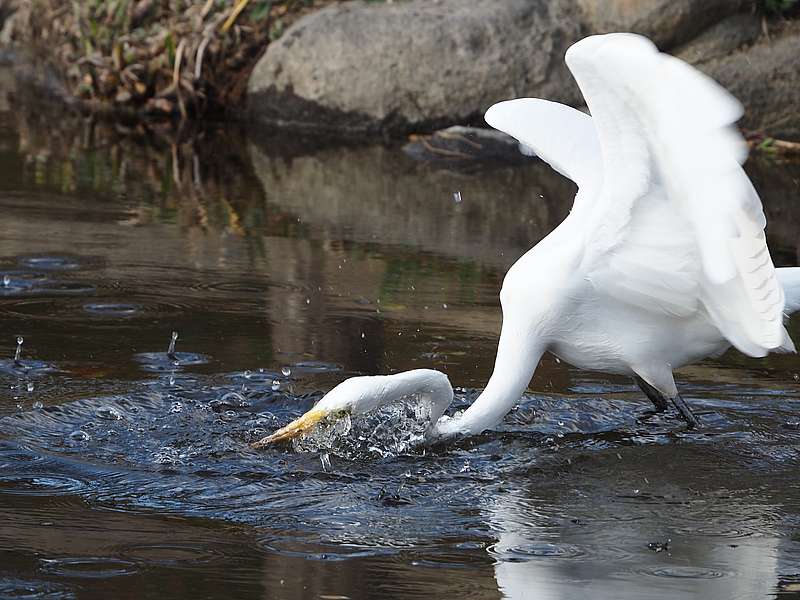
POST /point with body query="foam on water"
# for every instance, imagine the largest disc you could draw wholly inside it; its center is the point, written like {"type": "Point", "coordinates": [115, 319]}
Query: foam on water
{"type": "Point", "coordinates": [388, 432]}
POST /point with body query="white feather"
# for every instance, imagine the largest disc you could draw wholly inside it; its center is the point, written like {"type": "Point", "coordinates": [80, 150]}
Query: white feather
{"type": "Point", "coordinates": [663, 260]}
{"type": "Point", "coordinates": [561, 136]}
{"type": "Point", "coordinates": [662, 125]}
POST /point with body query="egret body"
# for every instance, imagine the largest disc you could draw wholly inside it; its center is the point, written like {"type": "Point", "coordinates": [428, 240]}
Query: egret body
{"type": "Point", "coordinates": [661, 262]}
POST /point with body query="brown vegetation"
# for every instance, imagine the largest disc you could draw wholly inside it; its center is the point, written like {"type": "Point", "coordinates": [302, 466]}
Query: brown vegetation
{"type": "Point", "coordinates": [162, 57]}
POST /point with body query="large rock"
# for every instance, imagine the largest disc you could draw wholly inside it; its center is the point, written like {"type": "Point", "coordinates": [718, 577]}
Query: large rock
{"type": "Point", "coordinates": [765, 77]}
{"type": "Point", "coordinates": [366, 67]}
{"type": "Point", "coordinates": [666, 22]}
{"type": "Point", "coordinates": [360, 67]}
{"type": "Point", "coordinates": [721, 39]}
{"type": "Point", "coordinates": [467, 147]}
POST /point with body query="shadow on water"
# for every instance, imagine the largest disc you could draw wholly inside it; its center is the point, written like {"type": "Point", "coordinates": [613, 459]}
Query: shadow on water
{"type": "Point", "coordinates": [284, 270]}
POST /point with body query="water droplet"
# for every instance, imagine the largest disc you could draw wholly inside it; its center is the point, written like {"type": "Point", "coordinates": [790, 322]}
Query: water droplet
{"type": "Point", "coordinates": [37, 405]}
{"type": "Point", "coordinates": [796, 377]}
{"type": "Point", "coordinates": [6, 280]}
{"type": "Point", "coordinates": [308, 300]}
{"type": "Point", "coordinates": [558, 360]}
{"type": "Point", "coordinates": [457, 197]}
{"type": "Point", "coordinates": [363, 336]}
{"type": "Point", "coordinates": [18, 353]}
{"type": "Point", "coordinates": [171, 349]}
{"type": "Point", "coordinates": [444, 306]}
{"type": "Point", "coordinates": [326, 461]}
{"type": "Point", "coordinates": [286, 371]}
{"type": "Point", "coordinates": [108, 413]}
{"type": "Point", "coordinates": [30, 386]}
{"type": "Point", "coordinates": [172, 380]}
{"type": "Point", "coordinates": [247, 374]}
{"type": "Point", "coordinates": [79, 436]}
{"type": "Point", "coordinates": [276, 385]}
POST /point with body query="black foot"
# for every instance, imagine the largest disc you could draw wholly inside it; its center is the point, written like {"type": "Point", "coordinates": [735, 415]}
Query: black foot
{"type": "Point", "coordinates": [658, 399]}
{"type": "Point", "coordinates": [686, 412]}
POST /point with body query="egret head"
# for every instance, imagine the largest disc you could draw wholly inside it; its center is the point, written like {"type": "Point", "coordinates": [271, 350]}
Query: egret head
{"type": "Point", "coordinates": [294, 429]}
{"type": "Point", "coordinates": [340, 401]}
{"type": "Point", "coordinates": [359, 395]}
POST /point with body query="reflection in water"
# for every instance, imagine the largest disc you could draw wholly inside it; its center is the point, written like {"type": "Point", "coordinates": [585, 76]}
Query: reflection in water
{"type": "Point", "coordinates": [285, 270]}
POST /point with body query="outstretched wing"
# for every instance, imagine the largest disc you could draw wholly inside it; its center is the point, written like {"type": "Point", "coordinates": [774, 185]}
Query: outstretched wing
{"type": "Point", "coordinates": [672, 223]}
{"type": "Point", "coordinates": [669, 148]}
{"type": "Point", "coordinates": [563, 137]}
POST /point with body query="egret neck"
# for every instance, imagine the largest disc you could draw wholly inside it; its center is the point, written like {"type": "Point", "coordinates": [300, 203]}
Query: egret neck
{"type": "Point", "coordinates": [518, 354]}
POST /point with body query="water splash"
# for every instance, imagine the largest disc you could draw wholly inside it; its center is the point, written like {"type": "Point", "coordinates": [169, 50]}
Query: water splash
{"type": "Point", "coordinates": [394, 429]}
{"type": "Point", "coordinates": [325, 459]}
{"type": "Point", "coordinates": [18, 353]}
{"type": "Point", "coordinates": [17, 367]}
{"type": "Point", "coordinates": [171, 349]}
{"type": "Point", "coordinates": [170, 360]}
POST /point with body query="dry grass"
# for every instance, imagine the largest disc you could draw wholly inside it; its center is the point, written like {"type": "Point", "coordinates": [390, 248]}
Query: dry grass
{"type": "Point", "coordinates": [167, 57]}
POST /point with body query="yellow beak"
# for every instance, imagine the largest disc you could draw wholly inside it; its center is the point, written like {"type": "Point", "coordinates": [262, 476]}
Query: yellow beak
{"type": "Point", "coordinates": [293, 429]}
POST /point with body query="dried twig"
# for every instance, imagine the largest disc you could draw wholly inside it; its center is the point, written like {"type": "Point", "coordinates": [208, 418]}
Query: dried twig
{"type": "Point", "coordinates": [121, 52]}
{"type": "Point", "coordinates": [240, 6]}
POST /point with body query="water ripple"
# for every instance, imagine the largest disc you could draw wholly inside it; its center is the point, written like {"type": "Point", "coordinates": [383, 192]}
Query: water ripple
{"type": "Point", "coordinates": [21, 589]}
{"type": "Point", "coordinates": [88, 567]}
{"type": "Point", "coordinates": [43, 484]}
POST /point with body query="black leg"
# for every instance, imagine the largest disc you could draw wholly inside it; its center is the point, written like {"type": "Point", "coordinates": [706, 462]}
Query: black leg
{"type": "Point", "coordinates": [659, 400]}
{"type": "Point", "coordinates": [686, 412]}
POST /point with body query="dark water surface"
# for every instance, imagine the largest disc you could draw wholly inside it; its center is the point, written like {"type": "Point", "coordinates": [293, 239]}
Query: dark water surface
{"type": "Point", "coordinates": [285, 270]}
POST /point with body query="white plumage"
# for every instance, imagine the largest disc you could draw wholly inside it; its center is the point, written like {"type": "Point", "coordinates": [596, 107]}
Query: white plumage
{"type": "Point", "coordinates": [663, 259]}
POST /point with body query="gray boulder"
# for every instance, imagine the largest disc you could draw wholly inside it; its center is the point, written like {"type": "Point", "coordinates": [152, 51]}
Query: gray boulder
{"type": "Point", "coordinates": [721, 39]}
{"type": "Point", "coordinates": [361, 67]}
{"type": "Point", "coordinates": [765, 77]}
{"type": "Point", "coordinates": [365, 67]}
{"type": "Point", "coordinates": [465, 147]}
{"type": "Point", "coordinates": [666, 22]}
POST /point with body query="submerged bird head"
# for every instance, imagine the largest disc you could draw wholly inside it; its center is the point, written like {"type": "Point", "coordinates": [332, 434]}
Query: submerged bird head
{"type": "Point", "coordinates": [360, 395]}
{"type": "Point", "coordinates": [347, 398]}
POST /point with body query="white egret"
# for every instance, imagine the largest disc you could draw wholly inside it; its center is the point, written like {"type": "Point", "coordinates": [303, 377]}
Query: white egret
{"type": "Point", "coordinates": [661, 262]}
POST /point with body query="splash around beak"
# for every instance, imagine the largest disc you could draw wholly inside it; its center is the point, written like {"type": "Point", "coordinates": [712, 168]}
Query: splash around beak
{"type": "Point", "coordinates": [294, 429]}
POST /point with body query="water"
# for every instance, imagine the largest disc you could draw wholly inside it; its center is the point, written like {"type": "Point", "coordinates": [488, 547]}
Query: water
{"type": "Point", "coordinates": [285, 270]}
